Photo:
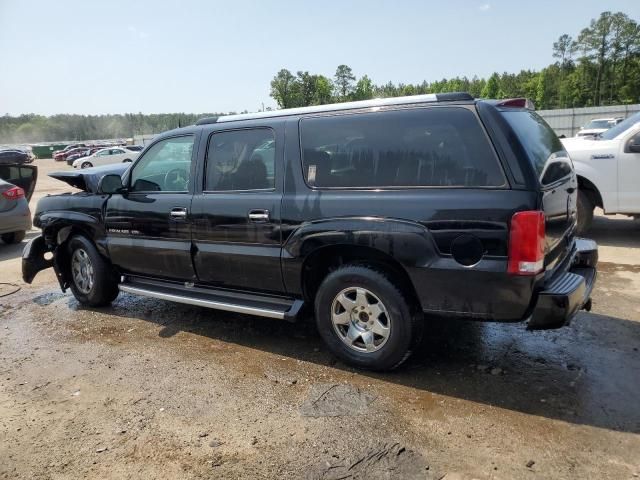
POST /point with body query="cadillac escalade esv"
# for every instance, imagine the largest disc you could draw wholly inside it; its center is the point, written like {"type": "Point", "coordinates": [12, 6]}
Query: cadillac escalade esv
{"type": "Point", "coordinates": [373, 215]}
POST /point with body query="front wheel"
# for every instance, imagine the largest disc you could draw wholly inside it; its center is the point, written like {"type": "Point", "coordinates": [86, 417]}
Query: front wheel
{"type": "Point", "coordinates": [13, 237]}
{"type": "Point", "coordinates": [93, 280]}
{"type": "Point", "coordinates": [126, 160]}
{"type": "Point", "coordinates": [365, 319]}
{"type": "Point", "coordinates": [585, 212]}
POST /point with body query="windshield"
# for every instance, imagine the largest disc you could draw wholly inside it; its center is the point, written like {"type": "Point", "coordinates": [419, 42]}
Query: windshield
{"type": "Point", "coordinates": [598, 124]}
{"type": "Point", "coordinates": [621, 127]}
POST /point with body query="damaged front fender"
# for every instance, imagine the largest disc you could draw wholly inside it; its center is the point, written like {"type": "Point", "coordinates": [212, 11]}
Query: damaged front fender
{"type": "Point", "coordinates": [33, 260]}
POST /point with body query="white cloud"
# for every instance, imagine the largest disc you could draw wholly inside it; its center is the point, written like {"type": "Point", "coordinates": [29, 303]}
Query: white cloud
{"type": "Point", "coordinates": [484, 7]}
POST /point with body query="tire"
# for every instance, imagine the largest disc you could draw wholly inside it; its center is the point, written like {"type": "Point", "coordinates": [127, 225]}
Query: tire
{"type": "Point", "coordinates": [126, 160]}
{"type": "Point", "coordinates": [585, 212]}
{"type": "Point", "coordinates": [86, 165]}
{"type": "Point", "coordinates": [362, 288]}
{"type": "Point", "coordinates": [13, 237]}
{"type": "Point", "coordinates": [97, 284]}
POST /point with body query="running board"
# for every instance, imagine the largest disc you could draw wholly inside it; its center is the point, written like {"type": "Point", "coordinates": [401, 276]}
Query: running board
{"type": "Point", "coordinates": [227, 300]}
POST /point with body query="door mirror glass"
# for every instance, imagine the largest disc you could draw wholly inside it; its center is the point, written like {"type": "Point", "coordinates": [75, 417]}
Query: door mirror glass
{"type": "Point", "coordinates": [110, 183]}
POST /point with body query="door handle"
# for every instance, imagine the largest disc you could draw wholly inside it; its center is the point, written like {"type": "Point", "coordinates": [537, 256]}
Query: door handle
{"type": "Point", "coordinates": [178, 213]}
{"type": "Point", "coordinates": [259, 216]}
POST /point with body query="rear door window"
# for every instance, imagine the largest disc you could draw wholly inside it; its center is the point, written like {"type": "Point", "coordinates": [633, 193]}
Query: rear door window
{"type": "Point", "coordinates": [425, 147]}
{"type": "Point", "coordinates": [241, 160]}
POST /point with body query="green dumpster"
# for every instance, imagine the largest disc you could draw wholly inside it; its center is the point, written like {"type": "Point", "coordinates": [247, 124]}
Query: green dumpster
{"type": "Point", "coordinates": [46, 151]}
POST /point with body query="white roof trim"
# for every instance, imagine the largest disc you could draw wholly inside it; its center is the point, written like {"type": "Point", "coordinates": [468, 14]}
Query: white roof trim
{"type": "Point", "coordinates": [375, 102]}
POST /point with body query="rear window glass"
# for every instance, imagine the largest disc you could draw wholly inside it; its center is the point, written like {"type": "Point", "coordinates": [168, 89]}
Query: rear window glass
{"type": "Point", "coordinates": [544, 149]}
{"type": "Point", "coordinates": [434, 147]}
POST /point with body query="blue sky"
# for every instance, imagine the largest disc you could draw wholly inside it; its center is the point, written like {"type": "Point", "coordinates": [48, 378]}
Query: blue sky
{"type": "Point", "coordinates": [216, 56]}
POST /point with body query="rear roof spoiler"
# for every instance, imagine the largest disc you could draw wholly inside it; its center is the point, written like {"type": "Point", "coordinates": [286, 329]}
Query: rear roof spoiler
{"type": "Point", "coordinates": [514, 103]}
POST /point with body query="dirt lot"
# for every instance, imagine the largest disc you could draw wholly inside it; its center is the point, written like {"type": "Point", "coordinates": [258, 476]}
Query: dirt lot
{"type": "Point", "coordinates": [149, 389]}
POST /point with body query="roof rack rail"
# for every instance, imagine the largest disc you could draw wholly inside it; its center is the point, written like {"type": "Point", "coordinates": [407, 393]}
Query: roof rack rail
{"type": "Point", "coordinates": [374, 102]}
{"type": "Point", "coordinates": [453, 96]}
{"type": "Point", "coordinates": [207, 120]}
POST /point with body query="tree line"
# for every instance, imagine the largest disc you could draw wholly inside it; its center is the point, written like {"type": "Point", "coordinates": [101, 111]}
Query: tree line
{"type": "Point", "coordinates": [600, 66]}
{"type": "Point", "coordinates": [31, 128]}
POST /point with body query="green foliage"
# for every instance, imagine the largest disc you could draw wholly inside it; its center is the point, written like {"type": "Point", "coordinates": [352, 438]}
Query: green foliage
{"type": "Point", "coordinates": [492, 87]}
{"type": "Point", "coordinates": [37, 128]}
{"type": "Point", "coordinates": [284, 89]}
{"type": "Point", "coordinates": [343, 80]}
{"type": "Point", "coordinates": [601, 67]}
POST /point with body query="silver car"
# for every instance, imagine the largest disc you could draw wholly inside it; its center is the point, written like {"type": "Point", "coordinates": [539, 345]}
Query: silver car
{"type": "Point", "coordinates": [17, 183]}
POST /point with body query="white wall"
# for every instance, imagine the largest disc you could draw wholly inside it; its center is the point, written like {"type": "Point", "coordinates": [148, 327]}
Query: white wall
{"type": "Point", "coordinates": [569, 120]}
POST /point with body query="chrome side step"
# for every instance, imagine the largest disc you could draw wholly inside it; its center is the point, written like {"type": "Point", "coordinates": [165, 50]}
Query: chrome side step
{"type": "Point", "coordinates": [249, 304]}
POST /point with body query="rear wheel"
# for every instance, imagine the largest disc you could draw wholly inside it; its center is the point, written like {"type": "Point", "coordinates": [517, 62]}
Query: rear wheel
{"type": "Point", "coordinates": [93, 280]}
{"type": "Point", "coordinates": [13, 237]}
{"type": "Point", "coordinates": [126, 160]}
{"type": "Point", "coordinates": [365, 319]}
{"type": "Point", "coordinates": [86, 165]}
{"type": "Point", "coordinates": [585, 212]}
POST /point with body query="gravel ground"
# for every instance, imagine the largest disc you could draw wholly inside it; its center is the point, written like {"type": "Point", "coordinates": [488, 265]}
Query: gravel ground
{"type": "Point", "coordinates": [150, 389]}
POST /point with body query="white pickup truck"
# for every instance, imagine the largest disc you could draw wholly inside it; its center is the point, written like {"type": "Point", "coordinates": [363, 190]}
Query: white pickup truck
{"type": "Point", "coordinates": [608, 169]}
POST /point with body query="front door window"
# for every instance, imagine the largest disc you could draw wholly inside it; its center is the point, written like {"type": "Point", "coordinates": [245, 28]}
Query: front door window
{"type": "Point", "coordinates": [165, 167]}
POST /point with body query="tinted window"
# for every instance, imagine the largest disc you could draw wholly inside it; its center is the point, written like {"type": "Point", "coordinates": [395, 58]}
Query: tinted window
{"type": "Point", "coordinates": [241, 160]}
{"type": "Point", "coordinates": [442, 147]}
{"type": "Point", "coordinates": [165, 167]}
{"type": "Point", "coordinates": [540, 143]}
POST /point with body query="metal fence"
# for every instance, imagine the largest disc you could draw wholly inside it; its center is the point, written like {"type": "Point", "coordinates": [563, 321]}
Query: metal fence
{"type": "Point", "coordinates": [569, 120]}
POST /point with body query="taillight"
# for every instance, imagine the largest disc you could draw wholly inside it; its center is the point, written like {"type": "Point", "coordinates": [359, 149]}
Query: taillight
{"type": "Point", "coordinates": [526, 243]}
{"type": "Point", "coordinates": [13, 193]}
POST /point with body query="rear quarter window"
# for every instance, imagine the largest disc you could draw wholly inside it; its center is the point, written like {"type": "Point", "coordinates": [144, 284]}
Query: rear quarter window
{"type": "Point", "coordinates": [420, 147]}
{"type": "Point", "coordinates": [541, 144]}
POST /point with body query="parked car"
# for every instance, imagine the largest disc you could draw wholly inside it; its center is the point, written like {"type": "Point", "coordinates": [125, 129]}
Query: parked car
{"type": "Point", "coordinates": [84, 152]}
{"type": "Point", "coordinates": [15, 156]}
{"type": "Point", "coordinates": [598, 125]}
{"type": "Point", "coordinates": [608, 170]}
{"type": "Point", "coordinates": [60, 155]}
{"type": "Point", "coordinates": [17, 183]}
{"type": "Point", "coordinates": [106, 156]}
{"type": "Point", "coordinates": [380, 211]}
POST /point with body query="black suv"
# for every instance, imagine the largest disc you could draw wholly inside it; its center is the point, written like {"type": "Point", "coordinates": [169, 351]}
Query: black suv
{"type": "Point", "coordinates": [371, 213]}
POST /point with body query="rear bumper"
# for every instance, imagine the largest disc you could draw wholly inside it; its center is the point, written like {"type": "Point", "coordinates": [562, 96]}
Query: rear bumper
{"type": "Point", "coordinates": [569, 291]}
